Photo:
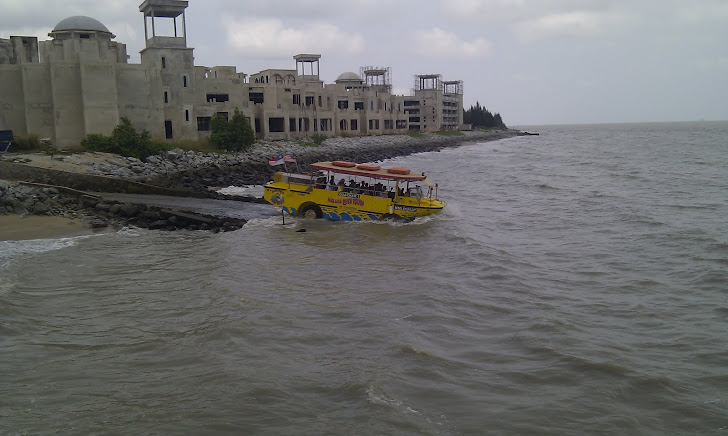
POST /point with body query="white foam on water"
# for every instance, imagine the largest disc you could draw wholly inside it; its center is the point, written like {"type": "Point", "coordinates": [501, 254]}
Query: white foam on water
{"type": "Point", "coordinates": [12, 249]}
{"type": "Point", "coordinates": [254, 190]}
{"type": "Point", "coordinates": [376, 396]}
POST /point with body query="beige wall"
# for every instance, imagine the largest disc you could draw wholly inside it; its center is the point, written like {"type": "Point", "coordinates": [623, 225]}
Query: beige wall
{"type": "Point", "coordinates": [12, 99]}
{"type": "Point", "coordinates": [38, 110]}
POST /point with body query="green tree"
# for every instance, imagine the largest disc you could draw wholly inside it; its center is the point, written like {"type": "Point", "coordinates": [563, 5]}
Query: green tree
{"type": "Point", "coordinates": [124, 140]}
{"type": "Point", "coordinates": [233, 135]}
{"type": "Point", "coordinates": [479, 116]}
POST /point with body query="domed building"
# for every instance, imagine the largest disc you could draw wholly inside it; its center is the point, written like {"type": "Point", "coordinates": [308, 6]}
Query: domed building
{"type": "Point", "coordinates": [81, 25]}
{"type": "Point", "coordinates": [80, 82]}
{"type": "Point", "coordinates": [348, 78]}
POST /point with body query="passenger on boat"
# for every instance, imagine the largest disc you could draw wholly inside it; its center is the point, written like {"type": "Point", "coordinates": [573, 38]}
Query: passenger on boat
{"type": "Point", "coordinates": [332, 184]}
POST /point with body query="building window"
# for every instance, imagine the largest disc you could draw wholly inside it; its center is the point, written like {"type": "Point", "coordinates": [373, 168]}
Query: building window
{"type": "Point", "coordinates": [401, 124]}
{"type": "Point", "coordinates": [276, 125]}
{"type": "Point", "coordinates": [411, 103]}
{"type": "Point", "coordinates": [387, 124]}
{"type": "Point", "coordinates": [166, 97]}
{"type": "Point", "coordinates": [319, 98]}
{"type": "Point", "coordinates": [358, 105]}
{"type": "Point", "coordinates": [184, 81]}
{"type": "Point", "coordinates": [168, 129]}
{"type": "Point", "coordinates": [292, 124]}
{"type": "Point", "coordinates": [296, 98]}
{"type": "Point", "coordinates": [343, 104]}
{"type": "Point", "coordinates": [414, 119]}
{"type": "Point", "coordinates": [342, 125]}
{"type": "Point", "coordinates": [187, 115]}
{"type": "Point", "coordinates": [354, 125]}
{"type": "Point", "coordinates": [309, 100]}
{"type": "Point", "coordinates": [203, 124]}
{"type": "Point", "coordinates": [164, 62]}
{"type": "Point", "coordinates": [217, 98]}
{"type": "Point", "coordinates": [256, 97]}
{"type": "Point", "coordinates": [376, 124]}
{"type": "Point", "coordinates": [223, 114]}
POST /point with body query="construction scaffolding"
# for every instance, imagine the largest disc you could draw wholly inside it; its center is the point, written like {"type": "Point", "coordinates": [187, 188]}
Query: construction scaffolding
{"type": "Point", "coordinates": [377, 78]}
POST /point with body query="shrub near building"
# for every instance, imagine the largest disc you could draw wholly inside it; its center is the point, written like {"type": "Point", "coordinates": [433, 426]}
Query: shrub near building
{"type": "Point", "coordinates": [233, 135]}
{"type": "Point", "coordinates": [125, 141]}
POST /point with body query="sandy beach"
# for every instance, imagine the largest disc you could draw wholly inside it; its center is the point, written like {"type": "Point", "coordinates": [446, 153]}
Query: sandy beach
{"type": "Point", "coordinates": [15, 228]}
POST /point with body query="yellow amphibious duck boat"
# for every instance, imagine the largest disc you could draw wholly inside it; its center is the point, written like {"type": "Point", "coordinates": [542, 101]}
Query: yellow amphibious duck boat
{"type": "Point", "coordinates": [345, 191]}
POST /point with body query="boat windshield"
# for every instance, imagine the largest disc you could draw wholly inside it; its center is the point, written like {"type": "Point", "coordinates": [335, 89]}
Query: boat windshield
{"type": "Point", "coordinates": [416, 191]}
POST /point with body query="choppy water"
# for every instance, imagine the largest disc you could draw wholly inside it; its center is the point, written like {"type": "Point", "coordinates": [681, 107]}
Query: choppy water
{"type": "Point", "coordinates": [577, 283]}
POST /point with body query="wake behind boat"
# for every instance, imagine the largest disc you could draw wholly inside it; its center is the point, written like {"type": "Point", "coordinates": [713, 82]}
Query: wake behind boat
{"type": "Point", "coordinates": [346, 191]}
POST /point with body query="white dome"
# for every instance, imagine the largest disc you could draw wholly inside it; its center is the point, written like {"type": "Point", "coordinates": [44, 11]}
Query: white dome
{"type": "Point", "coordinates": [80, 22]}
{"type": "Point", "coordinates": [348, 77]}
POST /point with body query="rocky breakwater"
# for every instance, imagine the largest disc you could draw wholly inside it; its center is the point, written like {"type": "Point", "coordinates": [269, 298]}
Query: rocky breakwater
{"type": "Point", "coordinates": [33, 199]}
{"type": "Point", "coordinates": [198, 172]}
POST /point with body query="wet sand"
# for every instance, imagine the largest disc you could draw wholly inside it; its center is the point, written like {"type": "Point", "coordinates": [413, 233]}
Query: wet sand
{"type": "Point", "coordinates": [15, 228]}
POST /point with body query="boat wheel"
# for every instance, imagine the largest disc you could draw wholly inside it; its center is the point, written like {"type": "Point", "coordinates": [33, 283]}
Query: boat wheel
{"type": "Point", "coordinates": [311, 211]}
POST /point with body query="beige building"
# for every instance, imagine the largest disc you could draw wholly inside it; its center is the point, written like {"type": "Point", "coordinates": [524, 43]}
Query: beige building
{"type": "Point", "coordinates": [80, 82]}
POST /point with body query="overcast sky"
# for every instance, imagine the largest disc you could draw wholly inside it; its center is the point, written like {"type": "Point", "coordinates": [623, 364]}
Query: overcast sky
{"type": "Point", "coordinates": [532, 61]}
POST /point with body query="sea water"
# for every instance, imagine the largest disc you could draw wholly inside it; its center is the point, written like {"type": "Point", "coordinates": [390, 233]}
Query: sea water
{"type": "Point", "coordinates": [576, 283]}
